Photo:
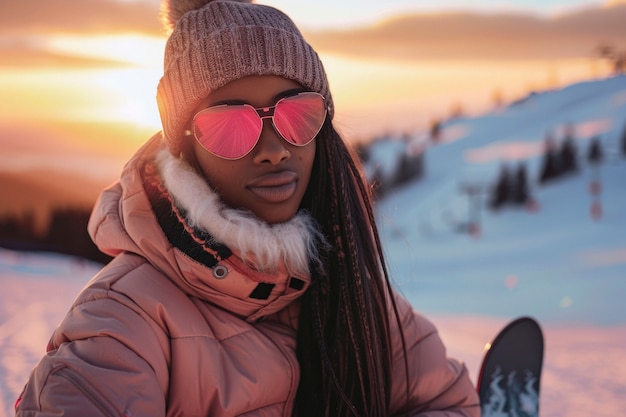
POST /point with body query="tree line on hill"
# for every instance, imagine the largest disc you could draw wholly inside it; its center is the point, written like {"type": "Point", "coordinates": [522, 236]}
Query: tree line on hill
{"type": "Point", "coordinates": [408, 165]}
{"type": "Point", "coordinates": [559, 161]}
{"type": "Point", "coordinates": [512, 185]}
{"type": "Point", "coordinates": [66, 234]}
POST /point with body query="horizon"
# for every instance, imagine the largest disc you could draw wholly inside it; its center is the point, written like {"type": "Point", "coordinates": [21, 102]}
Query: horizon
{"type": "Point", "coordinates": [89, 84]}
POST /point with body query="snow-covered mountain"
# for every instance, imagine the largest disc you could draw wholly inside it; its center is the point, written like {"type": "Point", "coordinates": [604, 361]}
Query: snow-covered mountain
{"type": "Point", "coordinates": [553, 260]}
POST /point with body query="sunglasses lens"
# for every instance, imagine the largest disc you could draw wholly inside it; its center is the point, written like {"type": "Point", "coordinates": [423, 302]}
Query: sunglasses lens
{"type": "Point", "coordinates": [299, 118]}
{"type": "Point", "coordinates": [228, 131]}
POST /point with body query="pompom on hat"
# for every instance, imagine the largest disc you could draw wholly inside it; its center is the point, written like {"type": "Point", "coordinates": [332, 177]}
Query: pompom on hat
{"type": "Point", "coordinates": [213, 42]}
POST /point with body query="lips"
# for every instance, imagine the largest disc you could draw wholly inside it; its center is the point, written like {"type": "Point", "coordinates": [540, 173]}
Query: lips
{"type": "Point", "coordinates": [275, 187]}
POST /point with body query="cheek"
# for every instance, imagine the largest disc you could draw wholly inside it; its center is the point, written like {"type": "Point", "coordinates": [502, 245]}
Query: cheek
{"type": "Point", "coordinates": [308, 159]}
{"type": "Point", "coordinates": [214, 169]}
{"type": "Point", "coordinates": [218, 173]}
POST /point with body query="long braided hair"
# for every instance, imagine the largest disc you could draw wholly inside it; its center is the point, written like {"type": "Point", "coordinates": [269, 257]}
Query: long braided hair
{"type": "Point", "coordinates": [344, 344]}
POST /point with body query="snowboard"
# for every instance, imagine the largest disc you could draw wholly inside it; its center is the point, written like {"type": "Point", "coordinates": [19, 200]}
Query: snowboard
{"type": "Point", "coordinates": [510, 375]}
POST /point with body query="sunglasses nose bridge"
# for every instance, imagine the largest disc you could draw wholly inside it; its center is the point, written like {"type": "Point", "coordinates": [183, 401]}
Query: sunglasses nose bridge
{"type": "Point", "coordinates": [265, 112]}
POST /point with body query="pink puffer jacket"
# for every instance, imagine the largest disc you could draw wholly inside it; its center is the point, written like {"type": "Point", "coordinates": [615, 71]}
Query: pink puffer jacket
{"type": "Point", "coordinates": [178, 325]}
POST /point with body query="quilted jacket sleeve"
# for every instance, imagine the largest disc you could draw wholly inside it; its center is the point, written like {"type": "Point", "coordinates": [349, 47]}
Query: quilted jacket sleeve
{"type": "Point", "coordinates": [96, 366]}
{"type": "Point", "coordinates": [437, 385]}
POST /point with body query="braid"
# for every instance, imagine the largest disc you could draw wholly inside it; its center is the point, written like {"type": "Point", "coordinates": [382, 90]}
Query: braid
{"type": "Point", "coordinates": [344, 346]}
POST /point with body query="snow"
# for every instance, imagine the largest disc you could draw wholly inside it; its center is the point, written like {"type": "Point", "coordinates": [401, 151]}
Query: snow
{"type": "Point", "coordinates": [556, 264]}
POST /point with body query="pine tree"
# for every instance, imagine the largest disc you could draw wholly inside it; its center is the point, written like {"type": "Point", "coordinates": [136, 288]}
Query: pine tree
{"type": "Point", "coordinates": [569, 156]}
{"type": "Point", "coordinates": [624, 141]}
{"type": "Point", "coordinates": [408, 168]}
{"type": "Point", "coordinates": [551, 166]}
{"type": "Point", "coordinates": [595, 154]}
{"type": "Point", "coordinates": [520, 193]}
{"type": "Point", "coordinates": [501, 192]}
{"type": "Point", "coordinates": [435, 130]}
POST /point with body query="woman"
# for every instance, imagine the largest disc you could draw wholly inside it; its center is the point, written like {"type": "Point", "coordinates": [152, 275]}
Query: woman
{"type": "Point", "coordinates": [248, 276]}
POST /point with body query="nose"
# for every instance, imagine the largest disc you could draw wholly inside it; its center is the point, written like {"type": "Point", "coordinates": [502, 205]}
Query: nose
{"type": "Point", "coordinates": [271, 147]}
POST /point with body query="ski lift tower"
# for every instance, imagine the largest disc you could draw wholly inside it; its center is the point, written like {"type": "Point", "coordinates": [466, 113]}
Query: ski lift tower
{"type": "Point", "coordinates": [475, 191]}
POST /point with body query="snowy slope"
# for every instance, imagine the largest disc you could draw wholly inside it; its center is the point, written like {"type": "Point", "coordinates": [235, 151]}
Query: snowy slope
{"type": "Point", "coordinates": [556, 264]}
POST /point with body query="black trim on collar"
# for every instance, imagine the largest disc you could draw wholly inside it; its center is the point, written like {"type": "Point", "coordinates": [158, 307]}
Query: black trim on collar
{"type": "Point", "coordinates": [262, 291]}
{"type": "Point", "coordinates": [296, 283]}
{"type": "Point", "coordinates": [194, 242]}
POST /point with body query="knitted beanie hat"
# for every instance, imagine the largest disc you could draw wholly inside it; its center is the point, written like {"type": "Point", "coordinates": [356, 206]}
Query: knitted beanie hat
{"type": "Point", "coordinates": [213, 42]}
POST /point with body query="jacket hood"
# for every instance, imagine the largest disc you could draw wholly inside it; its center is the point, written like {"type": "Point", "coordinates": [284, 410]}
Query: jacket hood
{"type": "Point", "coordinates": [162, 210]}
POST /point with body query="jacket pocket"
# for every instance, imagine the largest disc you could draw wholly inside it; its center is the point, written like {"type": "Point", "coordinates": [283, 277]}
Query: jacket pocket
{"type": "Point", "coordinates": [88, 391]}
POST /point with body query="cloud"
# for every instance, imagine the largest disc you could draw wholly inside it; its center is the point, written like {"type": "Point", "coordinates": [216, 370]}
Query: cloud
{"type": "Point", "coordinates": [27, 17]}
{"type": "Point", "coordinates": [22, 53]}
{"type": "Point", "coordinates": [473, 36]}
{"type": "Point", "coordinates": [26, 24]}
{"type": "Point", "coordinates": [443, 36]}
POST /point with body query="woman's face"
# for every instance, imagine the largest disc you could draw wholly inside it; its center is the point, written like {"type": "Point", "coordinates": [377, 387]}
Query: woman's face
{"type": "Point", "coordinates": [270, 181]}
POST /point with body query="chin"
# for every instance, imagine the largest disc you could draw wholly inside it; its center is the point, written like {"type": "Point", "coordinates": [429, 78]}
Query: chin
{"type": "Point", "coordinates": [277, 216]}
{"type": "Point", "coordinates": [277, 220]}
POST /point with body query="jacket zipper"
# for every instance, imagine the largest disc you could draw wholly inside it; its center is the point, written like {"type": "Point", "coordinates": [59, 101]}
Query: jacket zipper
{"type": "Point", "coordinates": [88, 391]}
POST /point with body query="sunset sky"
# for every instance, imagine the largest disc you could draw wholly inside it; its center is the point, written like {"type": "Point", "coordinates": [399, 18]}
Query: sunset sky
{"type": "Point", "coordinates": [83, 74]}
{"type": "Point", "coordinates": [330, 13]}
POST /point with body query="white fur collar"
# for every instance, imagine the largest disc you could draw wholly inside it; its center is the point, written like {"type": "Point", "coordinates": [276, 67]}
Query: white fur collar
{"type": "Point", "coordinates": [265, 247]}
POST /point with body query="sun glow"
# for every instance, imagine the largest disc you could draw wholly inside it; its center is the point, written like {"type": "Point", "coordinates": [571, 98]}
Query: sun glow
{"type": "Point", "coordinates": [99, 95]}
{"type": "Point", "coordinates": [138, 50]}
{"type": "Point", "coordinates": [130, 90]}
{"type": "Point", "coordinates": [124, 92]}
{"type": "Point", "coordinates": [375, 97]}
